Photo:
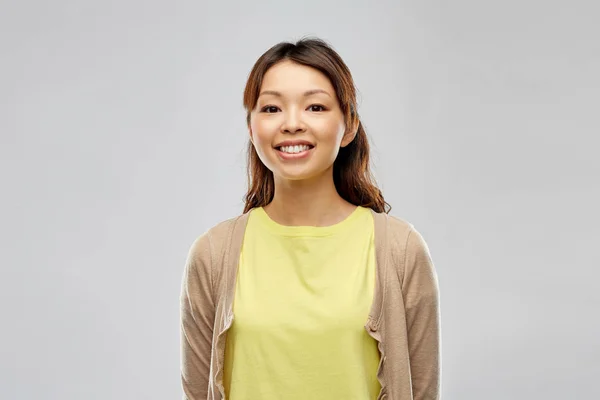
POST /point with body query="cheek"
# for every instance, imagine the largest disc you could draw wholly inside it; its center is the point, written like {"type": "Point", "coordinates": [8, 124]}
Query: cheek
{"type": "Point", "coordinates": [259, 131]}
{"type": "Point", "coordinates": [263, 136]}
{"type": "Point", "coordinates": [332, 132]}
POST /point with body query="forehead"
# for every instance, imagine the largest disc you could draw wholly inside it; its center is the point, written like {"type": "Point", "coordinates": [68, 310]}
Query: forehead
{"type": "Point", "coordinates": [289, 77]}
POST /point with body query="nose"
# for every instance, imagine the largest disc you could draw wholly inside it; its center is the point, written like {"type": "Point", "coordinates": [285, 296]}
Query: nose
{"type": "Point", "coordinates": [293, 122]}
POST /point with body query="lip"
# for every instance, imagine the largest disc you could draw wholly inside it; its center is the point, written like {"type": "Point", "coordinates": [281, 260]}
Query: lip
{"type": "Point", "coordinates": [296, 142]}
{"type": "Point", "coordinates": [295, 156]}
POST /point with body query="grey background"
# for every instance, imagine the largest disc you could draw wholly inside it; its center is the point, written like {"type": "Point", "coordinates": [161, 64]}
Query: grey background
{"type": "Point", "coordinates": [123, 136]}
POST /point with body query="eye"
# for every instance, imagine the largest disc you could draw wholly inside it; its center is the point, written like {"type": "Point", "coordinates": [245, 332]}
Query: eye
{"type": "Point", "coordinates": [269, 109]}
{"type": "Point", "coordinates": [318, 106]}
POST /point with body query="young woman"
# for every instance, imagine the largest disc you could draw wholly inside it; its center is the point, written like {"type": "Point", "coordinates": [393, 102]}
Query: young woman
{"type": "Point", "coordinates": [315, 292]}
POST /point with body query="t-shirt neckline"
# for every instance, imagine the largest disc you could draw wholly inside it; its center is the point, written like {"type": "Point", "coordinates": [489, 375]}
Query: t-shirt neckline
{"type": "Point", "coordinates": [305, 230]}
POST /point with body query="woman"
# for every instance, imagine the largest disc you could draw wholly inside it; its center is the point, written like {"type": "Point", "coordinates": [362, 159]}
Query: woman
{"type": "Point", "coordinates": [314, 292]}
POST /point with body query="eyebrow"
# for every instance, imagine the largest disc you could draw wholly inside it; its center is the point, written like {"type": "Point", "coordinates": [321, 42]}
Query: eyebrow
{"type": "Point", "coordinates": [306, 94]}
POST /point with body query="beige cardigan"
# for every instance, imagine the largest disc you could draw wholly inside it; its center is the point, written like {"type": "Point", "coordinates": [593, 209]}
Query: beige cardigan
{"type": "Point", "coordinates": [404, 316]}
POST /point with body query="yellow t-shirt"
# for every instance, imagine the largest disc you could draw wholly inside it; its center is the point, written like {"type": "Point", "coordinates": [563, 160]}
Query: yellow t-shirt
{"type": "Point", "coordinates": [302, 298]}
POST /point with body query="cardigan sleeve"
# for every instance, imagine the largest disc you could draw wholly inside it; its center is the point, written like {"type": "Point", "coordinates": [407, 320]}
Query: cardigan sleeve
{"type": "Point", "coordinates": [197, 313]}
{"type": "Point", "coordinates": [422, 309]}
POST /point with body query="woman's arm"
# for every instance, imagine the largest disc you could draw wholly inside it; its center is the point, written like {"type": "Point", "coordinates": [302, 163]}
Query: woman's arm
{"type": "Point", "coordinates": [197, 320]}
{"type": "Point", "coordinates": [421, 301]}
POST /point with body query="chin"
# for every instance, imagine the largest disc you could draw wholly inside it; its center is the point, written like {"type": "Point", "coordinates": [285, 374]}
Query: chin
{"type": "Point", "coordinates": [299, 176]}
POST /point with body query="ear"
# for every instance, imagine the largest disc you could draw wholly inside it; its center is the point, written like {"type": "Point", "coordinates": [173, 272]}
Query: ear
{"type": "Point", "coordinates": [250, 134]}
{"type": "Point", "coordinates": [350, 134]}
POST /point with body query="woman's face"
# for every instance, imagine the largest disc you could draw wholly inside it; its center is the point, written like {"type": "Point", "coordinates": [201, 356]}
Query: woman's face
{"type": "Point", "coordinates": [297, 102]}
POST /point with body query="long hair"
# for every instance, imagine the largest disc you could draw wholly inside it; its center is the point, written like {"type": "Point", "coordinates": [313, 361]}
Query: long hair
{"type": "Point", "coordinates": [351, 173]}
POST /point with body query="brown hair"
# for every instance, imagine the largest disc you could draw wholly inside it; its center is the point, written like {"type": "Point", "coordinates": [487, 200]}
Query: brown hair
{"type": "Point", "coordinates": [351, 174]}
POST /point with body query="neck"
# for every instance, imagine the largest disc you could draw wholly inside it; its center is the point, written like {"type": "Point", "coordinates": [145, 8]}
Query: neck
{"type": "Point", "coordinates": [308, 202]}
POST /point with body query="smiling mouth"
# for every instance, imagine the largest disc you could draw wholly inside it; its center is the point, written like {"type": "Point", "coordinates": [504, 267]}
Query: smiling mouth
{"type": "Point", "coordinates": [310, 147]}
{"type": "Point", "coordinates": [300, 155]}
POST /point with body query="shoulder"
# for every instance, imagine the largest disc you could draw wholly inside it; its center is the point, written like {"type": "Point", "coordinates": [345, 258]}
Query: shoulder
{"type": "Point", "coordinates": [404, 241]}
{"type": "Point", "coordinates": [397, 229]}
{"type": "Point", "coordinates": [211, 242]}
{"type": "Point", "coordinates": [405, 230]}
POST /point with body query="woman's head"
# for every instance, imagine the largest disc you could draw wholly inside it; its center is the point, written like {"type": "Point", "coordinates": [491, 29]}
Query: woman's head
{"type": "Point", "coordinates": [304, 91]}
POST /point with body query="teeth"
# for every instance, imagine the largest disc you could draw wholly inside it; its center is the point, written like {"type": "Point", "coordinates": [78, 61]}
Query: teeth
{"type": "Point", "coordinates": [294, 149]}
